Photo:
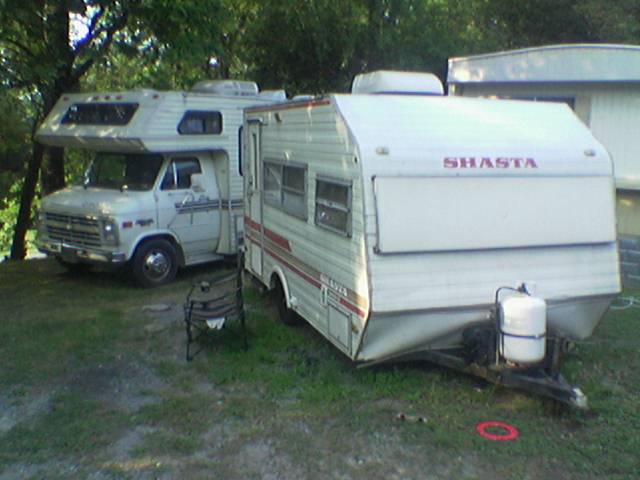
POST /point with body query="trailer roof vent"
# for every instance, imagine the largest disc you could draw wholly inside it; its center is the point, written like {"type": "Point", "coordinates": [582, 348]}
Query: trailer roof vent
{"type": "Point", "coordinates": [274, 95]}
{"type": "Point", "coordinates": [402, 83]}
{"type": "Point", "coordinates": [240, 88]}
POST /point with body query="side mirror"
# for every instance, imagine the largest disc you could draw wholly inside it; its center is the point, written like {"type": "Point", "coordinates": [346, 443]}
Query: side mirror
{"type": "Point", "coordinates": [197, 182]}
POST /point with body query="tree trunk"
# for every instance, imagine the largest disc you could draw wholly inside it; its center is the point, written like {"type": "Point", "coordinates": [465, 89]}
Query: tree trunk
{"type": "Point", "coordinates": [374, 15]}
{"type": "Point", "coordinates": [53, 170]}
{"type": "Point", "coordinates": [18, 247]}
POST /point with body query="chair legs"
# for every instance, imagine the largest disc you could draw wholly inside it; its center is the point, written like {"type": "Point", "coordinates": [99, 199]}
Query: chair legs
{"type": "Point", "coordinates": [191, 338]}
{"type": "Point", "coordinates": [223, 300]}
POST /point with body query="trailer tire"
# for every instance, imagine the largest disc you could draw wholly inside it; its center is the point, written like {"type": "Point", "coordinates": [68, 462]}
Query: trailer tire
{"type": "Point", "coordinates": [286, 315]}
{"type": "Point", "coordinates": [155, 263]}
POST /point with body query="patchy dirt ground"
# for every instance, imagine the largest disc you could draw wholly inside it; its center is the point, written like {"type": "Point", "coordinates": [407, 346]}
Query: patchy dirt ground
{"type": "Point", "coordinates": [291, 407]}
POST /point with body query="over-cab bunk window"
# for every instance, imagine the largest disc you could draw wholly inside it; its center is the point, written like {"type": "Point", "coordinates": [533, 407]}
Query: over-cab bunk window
{"type": "Point", "coordinates": [116, 114]}
{"type": "Point", "coordinates": [333, 205]}
{"type": "Point", "coordinates": [285, 187]}
{"type": "Point", "coordinates": [200, 122]}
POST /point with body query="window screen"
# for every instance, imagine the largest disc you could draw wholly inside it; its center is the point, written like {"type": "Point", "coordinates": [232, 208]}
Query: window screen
{"type": "Point", "coordinates": [273, 184]}
{"type": "Point", "coordinates": [99, 114]}
{"type": "Point", "coordinates": [333, 206]}
{"type": "Point", "coordinates": [196, 122]}
{"type": "Point", "coordinates": [285, 187]}
{"type": "Point", "coordinates": [178, 174]}
{"type": "Point", "coordinates": [293, 191]}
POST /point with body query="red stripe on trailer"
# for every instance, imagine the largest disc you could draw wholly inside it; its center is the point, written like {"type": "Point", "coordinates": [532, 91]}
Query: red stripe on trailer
{"type": "Point", "coordinates": [251, 223]}
{"type": "Point", "coordinates": [290, 106]}
{"type": "Point", "coordinates": [277, 239]}
{"type": "Point", "coordinates": [295, 269]}
{"type": "Point", "coordinates": [291, 264]}
{"type": "Point", "coordinates": [270, 234]}
{"type": "Point", "coordinates": [353, 308]}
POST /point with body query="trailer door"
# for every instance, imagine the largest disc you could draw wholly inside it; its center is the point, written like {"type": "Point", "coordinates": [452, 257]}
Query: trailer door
{"type": "Point", "coordinates": [255, 241]}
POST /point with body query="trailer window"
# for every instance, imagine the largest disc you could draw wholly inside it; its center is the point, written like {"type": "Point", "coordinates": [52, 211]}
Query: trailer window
{"type": "Point", "coordinates": [273, 184]}
{"type": "Point", "coordinates": [178, 174]}
{"type": "Point", "coordinates": [285, 187]}
{"type": "Point", "coordinates": [333, 206]}
{"type": "Point", "coordinates": [293, 191]}
{"type": "Point", "coordinates": [198, 122]}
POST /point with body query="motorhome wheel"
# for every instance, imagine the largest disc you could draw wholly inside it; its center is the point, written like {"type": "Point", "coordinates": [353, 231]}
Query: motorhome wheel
{"type": "Point", "coordinates": [286, 315]}
{"type": "Point", "coordinates": [155, 263]}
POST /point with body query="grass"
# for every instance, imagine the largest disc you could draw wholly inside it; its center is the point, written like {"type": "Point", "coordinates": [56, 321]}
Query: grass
{"type": "Point", "coordinates": [85, 383]}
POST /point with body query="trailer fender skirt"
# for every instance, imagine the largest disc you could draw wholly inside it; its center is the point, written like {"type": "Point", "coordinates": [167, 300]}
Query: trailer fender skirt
{"type": "Point", "coordinates": [511, 432]}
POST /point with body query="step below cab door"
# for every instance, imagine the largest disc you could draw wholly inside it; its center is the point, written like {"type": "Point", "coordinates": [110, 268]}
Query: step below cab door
{"type": "Point", "coordinates": [189, 203]}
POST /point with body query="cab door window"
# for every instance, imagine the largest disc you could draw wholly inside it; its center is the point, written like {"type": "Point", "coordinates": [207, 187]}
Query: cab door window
{"type": "Point", "coordinates": [178, 174]}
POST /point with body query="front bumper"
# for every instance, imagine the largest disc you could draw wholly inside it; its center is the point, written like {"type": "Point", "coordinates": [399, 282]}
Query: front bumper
{"type": "Point", "coordinates": [76, 254]}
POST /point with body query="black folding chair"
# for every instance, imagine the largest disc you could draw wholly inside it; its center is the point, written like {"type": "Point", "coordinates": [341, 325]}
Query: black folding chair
{"type": "Point", "coordinates": [211, 305]}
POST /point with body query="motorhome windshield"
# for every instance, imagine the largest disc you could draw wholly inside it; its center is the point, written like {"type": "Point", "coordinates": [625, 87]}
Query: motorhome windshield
{"type": "Point", "coordinates": [130, 171]}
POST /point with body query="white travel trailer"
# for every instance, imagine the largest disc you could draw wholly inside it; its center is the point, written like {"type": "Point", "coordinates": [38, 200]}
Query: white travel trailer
{"type": "Point", "coordinates": [164, 188]}
{"type": "Point", "coordinates": [479, 234]}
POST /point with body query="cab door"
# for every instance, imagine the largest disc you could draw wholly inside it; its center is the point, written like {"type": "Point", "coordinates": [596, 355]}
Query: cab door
{"type": "Point", "coordinates": [190, 209]}
{"type": "Point", "coordinates": [253, 206]}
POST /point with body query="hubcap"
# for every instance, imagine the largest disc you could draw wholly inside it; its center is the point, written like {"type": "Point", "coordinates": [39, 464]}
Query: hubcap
{"type": "Point", "coordinates": [156, 265]}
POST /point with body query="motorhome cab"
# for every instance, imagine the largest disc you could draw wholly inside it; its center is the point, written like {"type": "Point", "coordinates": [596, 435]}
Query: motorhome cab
{"type": "Point", "coordinates": [478, 234]}
{"type": "Point", "coordinates": [163, 190]}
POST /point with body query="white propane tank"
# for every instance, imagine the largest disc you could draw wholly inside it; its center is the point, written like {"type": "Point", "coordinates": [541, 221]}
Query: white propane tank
{"type": "Point", "coordinates": [523, 327]}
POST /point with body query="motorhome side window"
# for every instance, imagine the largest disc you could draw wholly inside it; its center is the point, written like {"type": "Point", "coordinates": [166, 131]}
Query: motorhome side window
{"type": "Point", "coordinates": [333, 206]}
{"type": "Point", "coordinates": [285, 187]}
{"type": "Point", "coordinates": [178, 174]}
{"type": "Point", "coordinates": [116, 114]}
{"type": "Point", "coordinates": [197, 122]}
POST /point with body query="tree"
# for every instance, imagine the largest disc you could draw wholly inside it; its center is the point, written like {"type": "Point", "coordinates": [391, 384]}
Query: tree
{"type": "Point", "coordinates": [39, 58]}
{"type": "Point", "coordinates": [529, 23]}
{"type": "Point", "coordinates": [317, 46]}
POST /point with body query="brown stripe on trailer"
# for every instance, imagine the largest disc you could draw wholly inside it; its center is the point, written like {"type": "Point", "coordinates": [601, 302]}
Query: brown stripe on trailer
{"type": "Point", "coordinates": [280, 249]}
{"type": "Point", "coordinates": [289, 106]}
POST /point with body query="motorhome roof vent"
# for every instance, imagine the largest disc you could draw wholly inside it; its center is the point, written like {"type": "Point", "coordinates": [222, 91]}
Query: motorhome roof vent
{"type": "Point", "coordinates": [404, 83]}
{"type": "Point", "coordinates": [274, 95]}
{"type": "Point", "coordinates": [240, 88]}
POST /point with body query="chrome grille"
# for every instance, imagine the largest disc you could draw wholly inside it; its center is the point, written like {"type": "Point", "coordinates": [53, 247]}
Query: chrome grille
{"type": "Point", "coordinates": [76, 230]}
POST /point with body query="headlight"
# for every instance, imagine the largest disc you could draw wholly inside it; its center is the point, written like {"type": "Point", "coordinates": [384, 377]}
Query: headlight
{"type": "Point", "coordinates": [109, 231]}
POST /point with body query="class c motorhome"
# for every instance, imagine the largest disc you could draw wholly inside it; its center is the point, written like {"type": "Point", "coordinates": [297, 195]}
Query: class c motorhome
{"type": "Point", "coordinates": [478, 234]}
{"type": "Point", "coordinates": [164, 188]}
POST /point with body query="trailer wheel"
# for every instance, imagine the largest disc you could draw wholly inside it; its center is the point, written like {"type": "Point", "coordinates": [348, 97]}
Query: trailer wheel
{"type": "Point", "coordinates": [155, 263]}
{"type": "Point", "coordinates": [286, 315]}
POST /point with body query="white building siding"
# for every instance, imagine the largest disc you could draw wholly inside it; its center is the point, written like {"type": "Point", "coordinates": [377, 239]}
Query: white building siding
{"type": "Point", "coordinates": [554, 63]}
{"type": "Point", "coordinates": [615, 121]}
{"type": "Point", "coordinates": [612, 112]}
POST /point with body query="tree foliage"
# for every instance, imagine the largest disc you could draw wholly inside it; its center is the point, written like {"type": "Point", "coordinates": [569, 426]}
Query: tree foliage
{"type": "Point", "coordinates": [48, 47]}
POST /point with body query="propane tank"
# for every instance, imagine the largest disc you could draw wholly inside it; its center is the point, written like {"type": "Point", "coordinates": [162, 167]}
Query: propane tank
{"type": "Point", "coordinates": [523, 326]}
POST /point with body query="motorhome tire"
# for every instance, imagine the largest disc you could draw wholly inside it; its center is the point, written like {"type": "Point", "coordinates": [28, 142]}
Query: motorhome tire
{"type": "Point", "coordinates": [286, 315]}
{"type": "Point", "coordinates": [155, 263]}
